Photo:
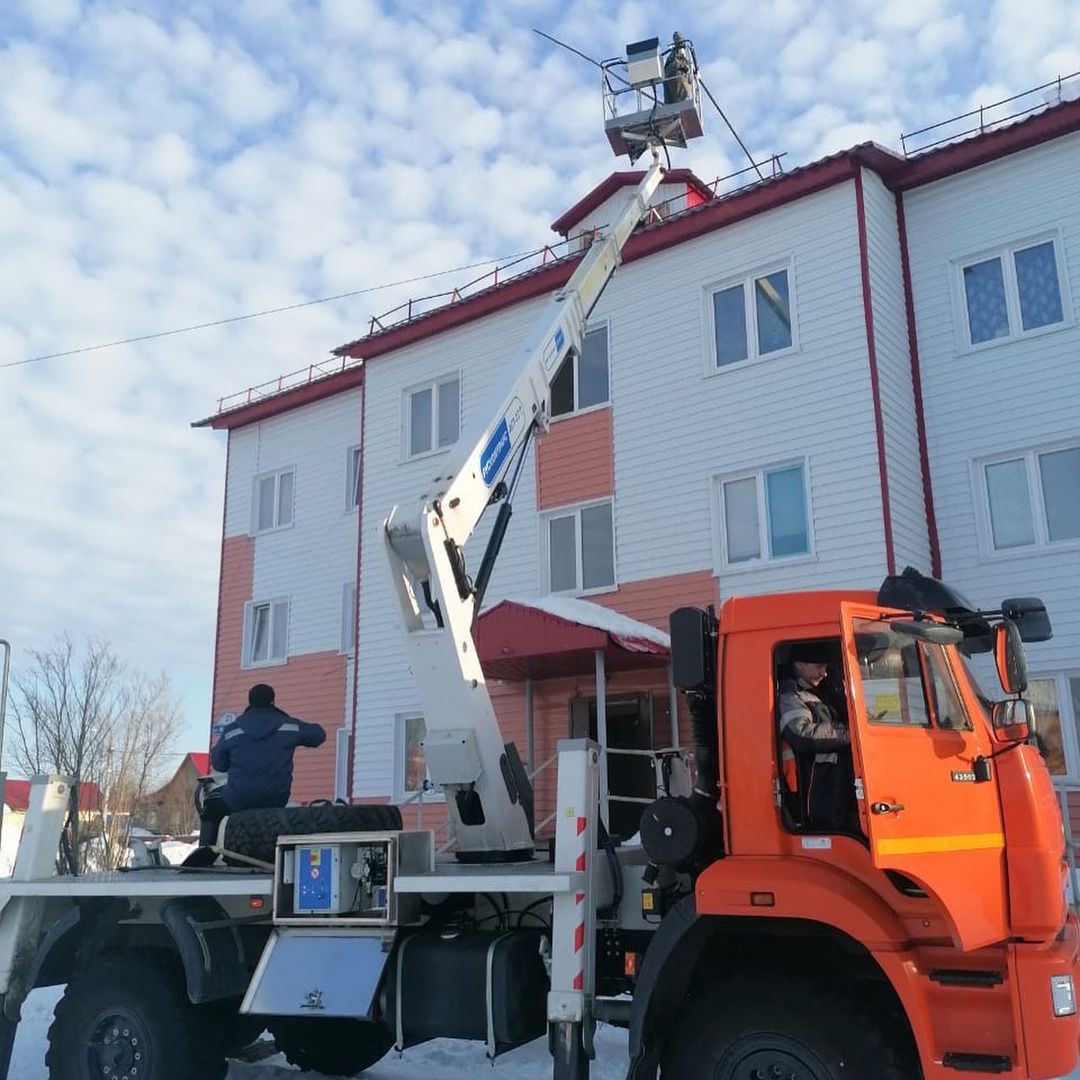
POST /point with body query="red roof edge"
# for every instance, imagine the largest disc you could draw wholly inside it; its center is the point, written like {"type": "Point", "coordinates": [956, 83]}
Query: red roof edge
{"type": "Point", "coordinates": [615, 182]}
{"type": "Point", "coordinates": [1052, 123]}
{"type": "Point", "coordinates": [702, 219]}
{"type": "Point", "coordinates": [283, 401]}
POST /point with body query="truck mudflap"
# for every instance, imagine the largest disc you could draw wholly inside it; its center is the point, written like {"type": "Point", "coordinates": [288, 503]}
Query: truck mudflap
{"type": "Point", "coordinates": [210, 948]}
{"type": "Point", "coordinates": [662, 984]}
{"type": "Point", "coordinates": [318, 973]}
{"type": "Point", "coordinates": [1045, 977]}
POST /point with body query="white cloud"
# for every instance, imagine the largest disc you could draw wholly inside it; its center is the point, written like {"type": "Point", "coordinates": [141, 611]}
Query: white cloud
{"type": "Point", "coordinates": [164, 165]}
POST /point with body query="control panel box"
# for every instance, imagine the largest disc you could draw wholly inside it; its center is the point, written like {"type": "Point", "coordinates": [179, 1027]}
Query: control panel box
{"type": "Point", "coordinates": [334, 878]}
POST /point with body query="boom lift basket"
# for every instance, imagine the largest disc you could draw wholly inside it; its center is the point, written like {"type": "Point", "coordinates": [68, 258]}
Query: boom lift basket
{"type": "Point", "coordinates": [652, 96]}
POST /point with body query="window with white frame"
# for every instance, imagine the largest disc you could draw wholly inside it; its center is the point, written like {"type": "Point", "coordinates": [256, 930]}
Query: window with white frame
{"type": "Point", "coordinates": [266, 632]}
{"type": "Point", "coordinates": [763, 514]}
{"type": "Point", "coordinates": [1012, 292]}
{"type": "Point", "coordinates": [410, 770]}
{"type": "Point", "coordinates": [348, 617]}
{"type": "Point", "coordinates": [579, 548]}
{"type": "Point", "coordinates": [1056, 698]}
{"type": "Point", "coordinates": [273, 501]}
{"type": "Point", "coordinates": [751, 318]}
{"type": "Point", "coordinates": [582, 381]}
{"type": "Point", "coordinates": [352, 478]}
{"type": "Point", "coordinates": [1032, 498]}
{"type": "Point", "coordinates": [432, 416]}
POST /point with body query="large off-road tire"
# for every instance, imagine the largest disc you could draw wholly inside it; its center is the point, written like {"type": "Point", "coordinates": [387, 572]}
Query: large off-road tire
{"type": "Point", "coordinates": [254, 833]}
{"type": "Point", "coordinates": [333, 1046]}
{"type": "Point", "coordinates": [777, 1026]}
{"type": "Point", "coordinates": [130, 1017]}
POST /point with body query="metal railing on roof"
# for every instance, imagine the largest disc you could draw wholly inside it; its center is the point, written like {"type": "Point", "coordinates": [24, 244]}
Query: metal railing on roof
{"type": "Point", "coordinates": [570, 248]}
{"type": "Point", "coordinates": [994, 115]}
{"type": "Point", "coordinates": [322, 369]}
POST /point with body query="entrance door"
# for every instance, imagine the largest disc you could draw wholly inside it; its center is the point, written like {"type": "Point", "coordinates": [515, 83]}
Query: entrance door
{"type": "Point", "coordinates": [915, 747]}
{"type": "Point", "coordinates": [631, 774]}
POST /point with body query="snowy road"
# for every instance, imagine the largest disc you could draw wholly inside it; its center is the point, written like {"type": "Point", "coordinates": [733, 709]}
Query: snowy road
{"type": "Point", "coordinates": [439, 1060]}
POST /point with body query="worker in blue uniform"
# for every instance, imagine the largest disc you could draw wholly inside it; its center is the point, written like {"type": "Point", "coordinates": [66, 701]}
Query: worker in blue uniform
{"type": "Point", "coordinates": [255, 752]}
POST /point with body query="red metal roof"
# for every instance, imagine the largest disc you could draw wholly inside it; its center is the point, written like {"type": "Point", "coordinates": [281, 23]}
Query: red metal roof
{"type": "Point", "coordinates": [274, 403]}
{"type": "Point", "coordinates": [17, 795]}
{"type": "Point", "coordinates": [616, 182]}
{"type": "Point", "coordinates": [900, 174]}
{"type": "Point", "coordinates": [515, 641]}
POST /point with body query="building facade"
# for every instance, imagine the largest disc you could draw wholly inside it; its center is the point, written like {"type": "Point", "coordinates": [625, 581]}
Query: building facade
{"type": "Point", "coordinates": [867, 363]}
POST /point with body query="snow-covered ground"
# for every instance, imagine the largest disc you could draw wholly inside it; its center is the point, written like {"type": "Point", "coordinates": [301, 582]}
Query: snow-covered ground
{"type": "Point", "coordinates": [442, 1059]}
{"type": "Point", "coordinates": [438, 1060]}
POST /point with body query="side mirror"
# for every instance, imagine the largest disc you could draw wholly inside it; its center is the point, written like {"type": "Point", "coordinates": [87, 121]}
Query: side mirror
{"type": "Point", "coordinates": [932, 632]}
{"type": "Point", "coordinates": [1013, 720]}
{"type": "Point", "coordinates": [693, 649]}
{"type": "Point", "coordinates": [1030, 615]}
{"type": "Point", "coordinates": [1009, 657]}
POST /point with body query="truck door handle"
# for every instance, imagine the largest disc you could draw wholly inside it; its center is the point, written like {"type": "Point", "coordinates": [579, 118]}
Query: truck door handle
{"type": "Point", "coordinates": [885, 808]}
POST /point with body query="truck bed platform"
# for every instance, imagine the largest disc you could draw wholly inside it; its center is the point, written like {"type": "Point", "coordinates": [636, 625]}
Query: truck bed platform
{"type": "Point", "coordinates": [158, 881]}
{"type": "Point", "coordinates": [534, 876]}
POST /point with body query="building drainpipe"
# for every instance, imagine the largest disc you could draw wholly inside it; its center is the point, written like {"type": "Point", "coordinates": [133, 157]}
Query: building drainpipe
{"type": "Point", "coordinates": [601, 734]}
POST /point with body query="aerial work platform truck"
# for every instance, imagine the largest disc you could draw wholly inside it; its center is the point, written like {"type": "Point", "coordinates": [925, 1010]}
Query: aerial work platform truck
{"type": "Point", "coordinates": [926, 937]}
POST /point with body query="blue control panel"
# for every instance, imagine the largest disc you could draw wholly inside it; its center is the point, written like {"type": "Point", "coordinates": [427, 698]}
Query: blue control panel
{"type": "Point", "coordinates": [315, 884]}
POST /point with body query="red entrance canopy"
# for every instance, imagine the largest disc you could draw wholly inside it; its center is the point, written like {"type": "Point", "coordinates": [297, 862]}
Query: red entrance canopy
{"type": "Point", "coordinates": [560, 636]}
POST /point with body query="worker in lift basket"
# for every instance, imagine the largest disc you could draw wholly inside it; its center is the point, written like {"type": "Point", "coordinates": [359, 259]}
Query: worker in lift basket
{"type": "Point", "coordinates": [821, 741]}
{"type": "Point", "coordinates": [256, 753]}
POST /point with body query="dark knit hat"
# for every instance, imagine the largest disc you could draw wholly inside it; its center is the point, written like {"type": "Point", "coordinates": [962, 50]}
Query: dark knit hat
{"type": "Point", "coordinates": [261, 695]}
{"type": "Point", "coordinates": [810, 652]}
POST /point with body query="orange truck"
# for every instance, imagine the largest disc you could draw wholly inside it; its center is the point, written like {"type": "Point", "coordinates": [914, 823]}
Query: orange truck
{"type": "Point", "coordinates": [927, 934]}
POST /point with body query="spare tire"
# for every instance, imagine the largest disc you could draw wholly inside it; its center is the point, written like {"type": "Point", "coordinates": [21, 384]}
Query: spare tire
{"type": "Point", "coordinates": [254, 833]}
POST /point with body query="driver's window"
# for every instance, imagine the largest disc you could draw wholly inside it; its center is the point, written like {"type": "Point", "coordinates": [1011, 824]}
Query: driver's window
{"type": "Point", "coordinates": [890, 676]}
{"type": "Point", "coordinates": [948, 706]}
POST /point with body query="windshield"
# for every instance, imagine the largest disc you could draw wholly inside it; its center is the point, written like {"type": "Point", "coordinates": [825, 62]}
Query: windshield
{"type": "Point", "coordinates": [983, 700]}
{"type": "Point", "coordinates": [905, 681]}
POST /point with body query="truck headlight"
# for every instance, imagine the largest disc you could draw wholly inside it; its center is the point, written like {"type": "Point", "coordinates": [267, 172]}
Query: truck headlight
{"type": "Point", "coordinates": [1063, 995]}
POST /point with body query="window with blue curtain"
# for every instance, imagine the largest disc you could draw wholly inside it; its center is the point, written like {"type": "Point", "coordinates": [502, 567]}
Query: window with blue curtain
{"type": "Point", "coordinates": [987, 310]}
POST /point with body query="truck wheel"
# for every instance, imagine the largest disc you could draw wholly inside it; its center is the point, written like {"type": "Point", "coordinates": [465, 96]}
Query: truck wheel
{"type": "Point", "coordinates": [130, 1018]}
{"type": "Point", "coordinates": [335, 1046]}
{"type": "Point", "coordinates": [779, 1026]}
{"type": "Point", "coordinates": [254, 832]}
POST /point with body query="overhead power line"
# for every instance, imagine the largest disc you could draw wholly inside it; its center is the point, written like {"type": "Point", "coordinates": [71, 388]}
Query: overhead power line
{"type": "Point", "coordinates": [254, 314]}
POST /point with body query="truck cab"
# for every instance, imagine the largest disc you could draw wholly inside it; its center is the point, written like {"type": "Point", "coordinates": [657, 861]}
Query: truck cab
{"type": "Point", "coordinates": [937, 896]}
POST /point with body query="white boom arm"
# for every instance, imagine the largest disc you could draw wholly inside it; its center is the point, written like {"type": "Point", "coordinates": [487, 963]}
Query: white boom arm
{"type": "Point", "coordinates": [463, 746]}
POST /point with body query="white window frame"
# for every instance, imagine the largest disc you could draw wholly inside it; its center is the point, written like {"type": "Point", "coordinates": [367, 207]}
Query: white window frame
{"type": "Point", "coordinates": [431, 794]}
{"type": "Point", "coordinates": [574, 510]}
{"type": "Point", "coordinates": [256, 484]}
{"type": "Point", "coordinates": [1006, 253]}
{"type": "Point", "coordinates": [596, 327]}
{"type": "Point", "coordinates": [347, 644]}
{"type": "Point", "coordinates": [274, 604]}
{"type": "Point", "coordinates": [746, 280]}
{"type": "Point", "coordinates": [764, 559]}
{"type": "Point", "coordinates": [1070, 738]}
{"type": "Point", "coordinates": [406, 415]}
{"type": "Point", "coordinates": [1030, 456]}
{"type": "Point", "coordinates": [353, 465]}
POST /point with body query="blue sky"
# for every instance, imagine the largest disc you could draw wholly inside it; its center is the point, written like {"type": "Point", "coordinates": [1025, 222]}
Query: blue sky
{"type": "Point", "coordinates": [166, 164]}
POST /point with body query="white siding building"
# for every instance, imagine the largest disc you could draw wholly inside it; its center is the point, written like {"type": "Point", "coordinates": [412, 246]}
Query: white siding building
{"type": "Point", "coordinates": [867, 363]}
